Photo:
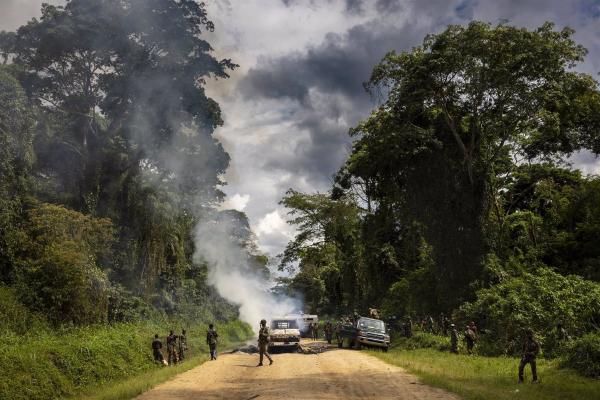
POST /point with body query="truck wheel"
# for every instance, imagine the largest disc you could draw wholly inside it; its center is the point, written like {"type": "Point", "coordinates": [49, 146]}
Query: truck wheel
{"type": "Point", "coordinates": [385, 349]}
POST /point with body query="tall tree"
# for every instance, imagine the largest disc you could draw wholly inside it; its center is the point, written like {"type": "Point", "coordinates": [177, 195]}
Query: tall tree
{"type": "Point", "coordinates": [458, 108]}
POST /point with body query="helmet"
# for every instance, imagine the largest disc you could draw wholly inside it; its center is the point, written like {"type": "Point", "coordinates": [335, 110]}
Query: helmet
{"type": "Point", "coordinates": [263, 321]}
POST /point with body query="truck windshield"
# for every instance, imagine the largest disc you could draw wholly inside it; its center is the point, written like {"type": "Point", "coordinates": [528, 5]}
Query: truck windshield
{"type": "Point", "coordinates": [372, 324]}
{"type": "Point", "coordinates": [284, 324]}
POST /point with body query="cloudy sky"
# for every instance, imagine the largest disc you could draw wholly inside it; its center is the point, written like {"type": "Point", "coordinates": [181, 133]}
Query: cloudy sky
{"type": "Point", "coordinates": [299, 86]}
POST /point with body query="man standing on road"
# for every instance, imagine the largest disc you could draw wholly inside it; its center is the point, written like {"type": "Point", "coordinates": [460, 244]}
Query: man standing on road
{"type": "Point", "coordinates": [156, 346]}
{"type": "Point", "coordinates": [531, 348]}
{"type": "Point", "coordinates": [328, 331]}
{"type": "Point", "coordinates": [453, 339]}
{"type": "Point", "coordinates": [212, 340]}
{"type": "Point", "coordinates": [171, 348]}
{"type": "Point", "coordinates": [264, 337]}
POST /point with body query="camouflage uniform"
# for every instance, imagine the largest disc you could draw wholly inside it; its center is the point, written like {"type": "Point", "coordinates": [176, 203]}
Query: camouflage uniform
{"type": "Point", "coordinates": [470, 338]}
{"type": "Point", "coordinates": [454, 339]}
{"type": "Point", "coordinates": [182, 345]}
{"type": "Point", "coordinates": [156, 346]}
{"type": "Point", "coordinates": [531, 348]}
{"type": "Point", "coordinates": [171, 348]}
{"type": "Point", "coordinates": [328, 332]}
{"type": "Point", "coordinates": [408, 328]}
{"type": "Point", "coordinates": [430, 324]}
{"type": "Point", "coordinates": [212, 340]}
{"type": "Point", "coordinates": [264, 336]}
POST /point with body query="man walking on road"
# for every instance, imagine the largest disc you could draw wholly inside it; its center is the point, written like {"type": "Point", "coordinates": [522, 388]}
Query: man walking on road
{"type": "Point", "coordinates": [531, 348]}
{"type": "Point", "coordinates": [263, 343]}
{"type": "Point", "coordinates": [211, 340]}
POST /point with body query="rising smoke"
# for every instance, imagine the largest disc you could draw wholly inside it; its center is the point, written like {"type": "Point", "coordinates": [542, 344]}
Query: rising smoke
{"type": "Point", "coordinates": [233, 275]}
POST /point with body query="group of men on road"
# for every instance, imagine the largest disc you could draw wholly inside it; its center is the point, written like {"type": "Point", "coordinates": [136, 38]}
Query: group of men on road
{"type": "Point", "coordinates": [177, 346]}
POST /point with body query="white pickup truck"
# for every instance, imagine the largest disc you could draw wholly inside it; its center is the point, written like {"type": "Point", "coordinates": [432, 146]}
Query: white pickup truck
{"type": "Point", "coordinates": [284, 334]}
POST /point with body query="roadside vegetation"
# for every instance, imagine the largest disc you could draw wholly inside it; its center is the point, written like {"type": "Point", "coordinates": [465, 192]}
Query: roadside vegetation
{"type": "Point", "coordinates": [491, 378]}
{"type": "Point", "coordinates": [106, 155]}
{"type": "Point", "coordinates": [42, 363]}
{"type": "Point", "coordinates": [458, 200]}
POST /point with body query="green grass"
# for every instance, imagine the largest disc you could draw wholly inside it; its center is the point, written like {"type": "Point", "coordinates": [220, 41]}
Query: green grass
{"type": "Point", "coordinates": [62, 364]}
{"type": "Point", "coordinates": [230, 335]}
{"type": "Point", "coordinates": [479, 378]}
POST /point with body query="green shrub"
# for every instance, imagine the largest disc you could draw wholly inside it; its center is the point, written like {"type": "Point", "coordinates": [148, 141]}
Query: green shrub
{"type": "Point", "coordinates": [62, 363]}
{"type": "Point", "coordinates": [422, 340]}
{"type": "Point", "coordinates": [539, 301]}
{"type": "Point", "coordinates": [583, 355]}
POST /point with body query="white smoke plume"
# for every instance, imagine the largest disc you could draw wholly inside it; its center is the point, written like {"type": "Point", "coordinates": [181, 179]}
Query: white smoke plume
{"type": "Point", "coordinates": [232, 274]}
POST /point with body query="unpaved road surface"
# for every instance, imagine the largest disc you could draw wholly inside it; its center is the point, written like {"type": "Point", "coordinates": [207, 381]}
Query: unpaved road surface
{"type": "Point", "coordinates": [334, 374]}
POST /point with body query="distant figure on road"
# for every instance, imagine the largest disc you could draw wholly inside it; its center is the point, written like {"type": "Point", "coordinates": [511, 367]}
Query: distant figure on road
{"type": "Point", "coordinates": [264, 337]}
{"type": "Point", "coordinates": [328, 332]}
{"type": "Point", "coordinates": [212, 338]}
{"type": "Point", "coordinates": [470, 338]}
{"type": "Point", "coordinates": [156, 347]}
{"type": "Point", "coordinates": [453, 339]}
{"type": "Point", "coordinates": [182, 345]}
{"type": "Point", "coordinates": [171, 348]}
{"type": "Point", "coordinates": [531, 348]}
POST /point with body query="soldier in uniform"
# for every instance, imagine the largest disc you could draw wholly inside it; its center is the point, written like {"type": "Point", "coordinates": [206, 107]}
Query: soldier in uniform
{"type": "Point", "coordinates": [171, 348]}
{"type": "Point", "coordinates": [211, 340]}
{"type": "Point", "coordinates": [430, 324]}
{"type": "Point", "coordinates": [264, 337]}
{"type": "Point", "coordinates": [408, 327]}
{"type": "Point", "coordinates": [531, 348]}
{"type": "Point", "coordinates": [328, 331]}
{"type": "Point", "coordinates": [453, 339]}
{"type": "Point", "coordinates": [470, 338]}
{"type": "Point", "coordinates": [182, 345]}
{"type": "Point", "coordinates": [156, 346]}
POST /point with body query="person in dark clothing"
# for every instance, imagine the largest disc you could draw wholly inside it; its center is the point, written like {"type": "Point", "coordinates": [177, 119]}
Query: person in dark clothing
{"type": "Point", "coordinates": [172, 348]}
{"type": "Point", "coordinates": [470, 338]}
{"type": "Point", "coordinates": [408, 326]}
{"type": "Point", "coordinates": [156, 347]}
{"type": "Point", "coordinates": [531, 348]}
{"type": "Point", "coordinates": [182, 345]}
{"type": "Point", "coordinates": [212, 340]}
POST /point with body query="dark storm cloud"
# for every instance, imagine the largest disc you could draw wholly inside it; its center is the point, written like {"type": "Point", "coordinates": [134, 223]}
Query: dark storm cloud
{"type": "Point", "coordinates": [336, 69]}
{"type": "Point", "coordinates": [326, 82]}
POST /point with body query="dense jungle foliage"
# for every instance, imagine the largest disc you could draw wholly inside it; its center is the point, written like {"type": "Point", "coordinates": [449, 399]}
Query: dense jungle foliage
{"type": "Point", "coordinates": [457, 196]}
{"type": "Point", "coordinates": [107, 159]}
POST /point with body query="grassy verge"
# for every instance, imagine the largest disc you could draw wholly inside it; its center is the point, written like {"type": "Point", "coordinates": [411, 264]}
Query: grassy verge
{"type": "Point", "coordinates": [479, 378]}
{"type": "Point", "coordinates": [67, 364]}
{"type": "Point", "coordinates": [129, 388]}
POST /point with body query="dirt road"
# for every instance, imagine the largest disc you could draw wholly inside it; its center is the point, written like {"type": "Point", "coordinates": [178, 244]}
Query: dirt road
{"type": "Point", "coordinates": [335, 374]}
